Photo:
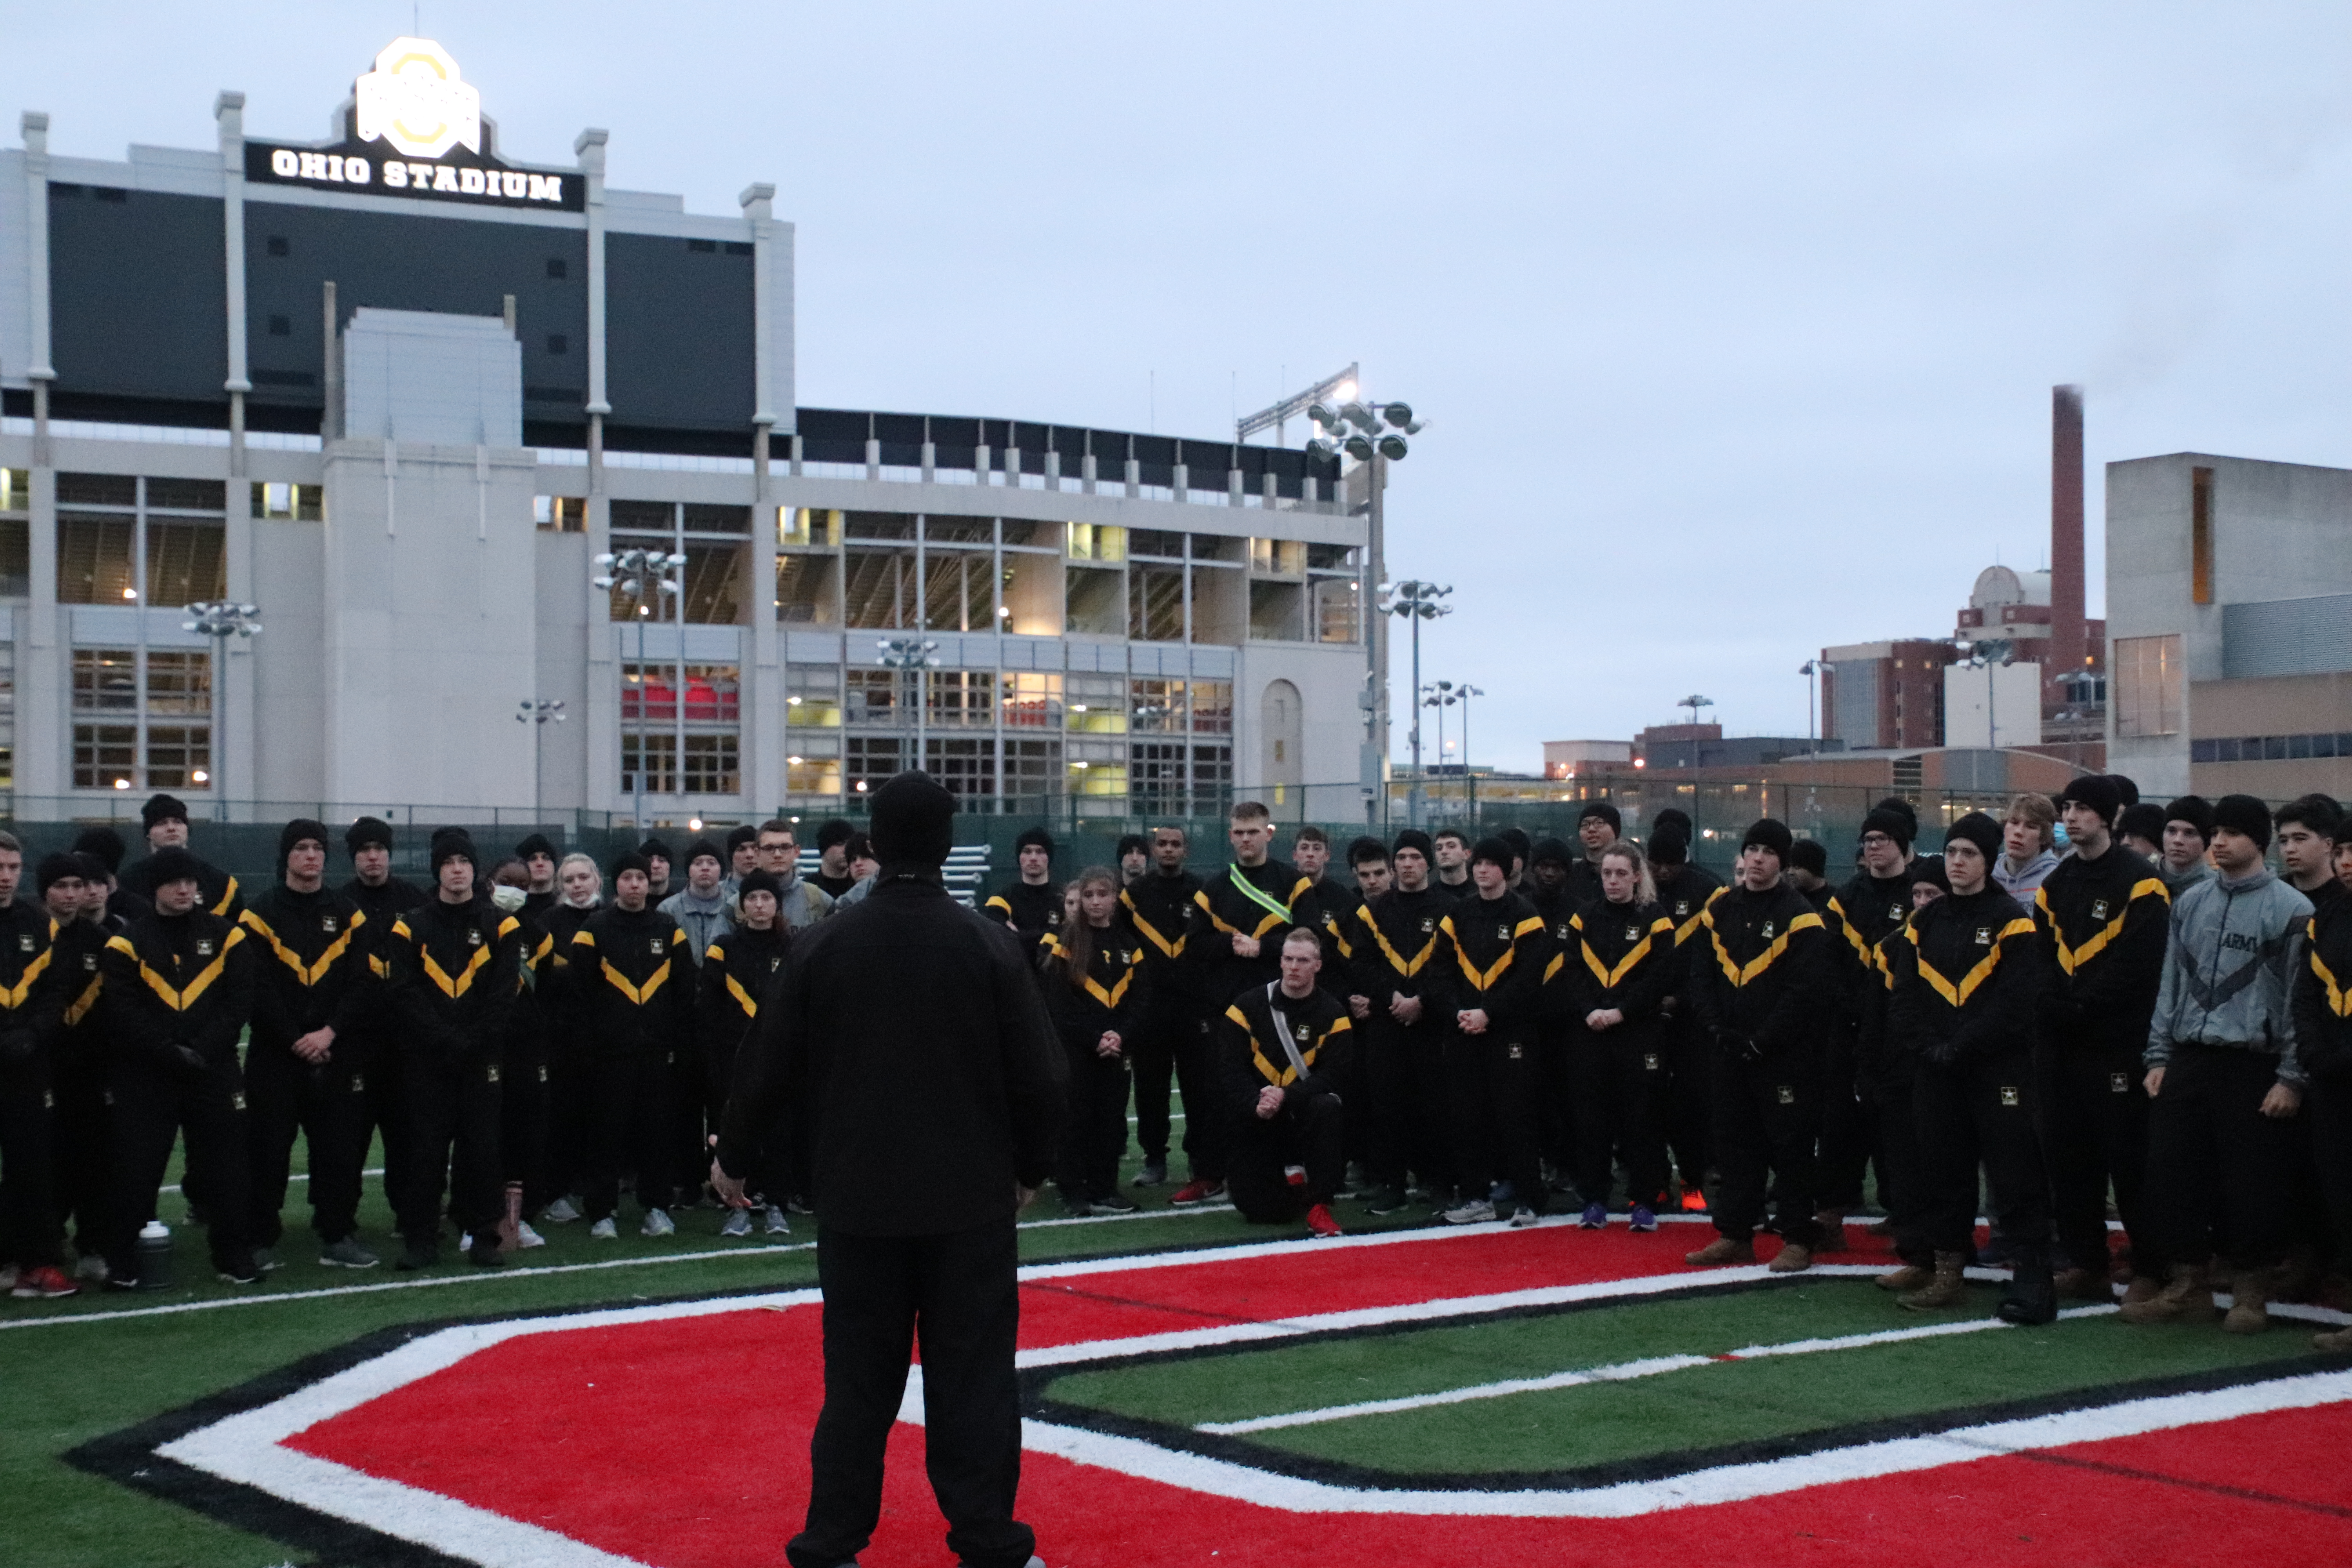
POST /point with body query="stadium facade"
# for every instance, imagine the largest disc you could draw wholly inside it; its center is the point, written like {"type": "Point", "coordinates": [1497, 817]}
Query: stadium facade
{"type": "Point", "coordinates": [400, 393]}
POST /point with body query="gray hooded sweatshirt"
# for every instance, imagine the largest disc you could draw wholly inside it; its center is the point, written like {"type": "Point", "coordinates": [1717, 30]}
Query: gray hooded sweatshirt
{"type": "Point", "coordinates": [2229, 969]}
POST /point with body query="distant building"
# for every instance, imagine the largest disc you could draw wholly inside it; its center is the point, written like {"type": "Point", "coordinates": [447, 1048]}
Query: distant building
{"type": "Point", "coordinates": [1884, 694]}
{"type": "Point", "coordinates": [1685, 746]}
{"type": "Point", "coordinates": [1566, 759]}
{"type": "Point", "coordinates": [2230, 625]}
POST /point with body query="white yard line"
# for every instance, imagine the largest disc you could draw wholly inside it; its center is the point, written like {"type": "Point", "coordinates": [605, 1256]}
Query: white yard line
{"type": "Point", "coordinates": [1622, 1372]}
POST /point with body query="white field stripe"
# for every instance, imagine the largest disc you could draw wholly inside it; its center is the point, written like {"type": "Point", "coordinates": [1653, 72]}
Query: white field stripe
{"type": "Point", "coordinates": [1620, 1371]}
{"type": "Point", "coordinates": [490, 1276]}
{"type": "Point", "coordinates": [1726, 1483]}
{"type": "Point", "coordinates": [296, 1176]}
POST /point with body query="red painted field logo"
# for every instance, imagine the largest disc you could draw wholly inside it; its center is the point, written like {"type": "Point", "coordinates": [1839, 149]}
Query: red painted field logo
{"type": "Point", "coordinates": [1543, 1396]}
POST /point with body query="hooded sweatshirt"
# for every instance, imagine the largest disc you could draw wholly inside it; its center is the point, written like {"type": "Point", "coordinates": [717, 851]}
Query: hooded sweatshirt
{"type": "Point", "coordinates": [2021, 884]}
{"type": "Point", "coordinates": [2234, 947]}
{"type": "Point", "coordinates": [704, 920]}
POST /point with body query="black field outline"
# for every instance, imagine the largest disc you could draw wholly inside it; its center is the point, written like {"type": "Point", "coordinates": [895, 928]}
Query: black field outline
{"type": "Point", "coordinates": [1037, 1403]}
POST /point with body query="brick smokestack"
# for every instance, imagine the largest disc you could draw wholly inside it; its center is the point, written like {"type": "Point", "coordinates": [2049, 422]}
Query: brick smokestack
{"type": "Point", "coordinates": [2066, 628]}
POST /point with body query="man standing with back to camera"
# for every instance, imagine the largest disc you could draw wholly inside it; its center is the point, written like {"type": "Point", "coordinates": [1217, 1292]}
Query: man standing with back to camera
{"type": "Point", "coordinates": [906, 1047]}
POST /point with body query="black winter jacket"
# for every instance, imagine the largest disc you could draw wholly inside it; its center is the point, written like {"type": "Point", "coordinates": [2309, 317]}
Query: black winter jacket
{"type": "Point", "coordinates": [1757, 970]}
{"type": "Point", "coordinates": [178, 991]}
{"type": "Point", "coordinates": [1962, 977]}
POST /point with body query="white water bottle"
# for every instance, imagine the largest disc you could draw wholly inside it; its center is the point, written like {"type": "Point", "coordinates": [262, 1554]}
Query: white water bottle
{"type": "Point", "coordinates": [155, 1256]}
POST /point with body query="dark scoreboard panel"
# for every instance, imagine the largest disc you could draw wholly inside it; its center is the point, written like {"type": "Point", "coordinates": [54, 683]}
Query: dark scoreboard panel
{"type": "Point", "coordinates": [139, 301]}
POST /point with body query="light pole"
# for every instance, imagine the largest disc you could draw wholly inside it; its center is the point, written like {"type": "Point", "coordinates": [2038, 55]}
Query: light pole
{"type": "Point", "coordinates": [1373, 434]}
{"type": "Point", "coordinates": [914, 655]}
{"type": "Point", "coordinates": [220, 620]}
{"type": "Point", "coordinates": [536, 712]}
{"type": "Point", "coordinates": [1417, 601]}
{"type": "Point", "coordinates": [1990, 656]}
{"type": "Point", "coordinates": [1469, 779]}
{"type": "Point", "coordinates": [1810, 669]}
{"type": "Point", "coordinates": [642, 576]}
{"type": "Point", "coordinates": [1440, 695]}
{"type": "Point", "coordinates": [1695, 702]}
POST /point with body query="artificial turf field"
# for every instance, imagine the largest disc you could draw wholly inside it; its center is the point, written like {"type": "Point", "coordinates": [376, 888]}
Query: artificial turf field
{"type": "Point", "coordinates": [1197, 1391]}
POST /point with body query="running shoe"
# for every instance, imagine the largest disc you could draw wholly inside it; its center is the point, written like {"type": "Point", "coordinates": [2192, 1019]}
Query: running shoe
{"type": "Point", "coordinates": [657, 1224]}
{"type": "Point", "coordinates": [1476, 1211]}
{"type": "Point", "coordinates": [1641, 1219]}
{"type": "Point", "coordinates": [1594, 1217]}
{"type": "Point", "coordinates": [1320, 1222]}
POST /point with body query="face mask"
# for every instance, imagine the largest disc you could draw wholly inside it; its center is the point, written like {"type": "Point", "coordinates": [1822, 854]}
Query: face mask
{"type": "Point", "coordinates": [2058, 836]}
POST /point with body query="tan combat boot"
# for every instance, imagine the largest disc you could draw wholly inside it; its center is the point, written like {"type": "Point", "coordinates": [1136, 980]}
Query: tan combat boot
{"type": "Point", "coordinates": [1792, 1258]}
{"type": "Point", "coordinates": [1946, 1288]}
{"type": "Point", "coordinates": [2250, 1301]}
{"type": "Point", "coordinates": [1909, 1277]}
{"type": "Point", "coordinates": [2332, 1339]}
{"type": "Point", "coordinates": [1723, 1252]}
{"type": "Point", "coordinates": [2143, 1288]}
{"type": "Point", "coordinates": [2188, 1294]}
{"type": "Point", "coordinates": [1831, 1225]}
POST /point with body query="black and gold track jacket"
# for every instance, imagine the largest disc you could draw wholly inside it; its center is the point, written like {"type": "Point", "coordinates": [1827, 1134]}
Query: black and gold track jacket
{"type": "Point", "coordinates": [1619, 956]}
{"type": "Point", "coordinates": [1759, 970]}
{"type": "Point", "coordinates": [78, 958]}
{"type": "Point", "coordinates": [178, 992]}
{"type": "Point", "coordinates": [455, 971]}
{"type": "Point", "coordinates": [311, 966]}
{"type": "Point", "coordinates": [1160, 909]}
{"type": "Point", "coordinates": [1867, 910]}
{"type": "Point", "coordinates": [1266, 901]}
{"type": "Point", "coordinates": [1111, 997]}
{"type": "Point", "coordinates": [2322, 999]}
{"type": "Point", "coordinates": [632, 981]}
{"type": "Point", "coordinates": [1961, 979]}
{"type": "Point", "coordinates": [1494, 951]}
{"type": "Point", "coordinates": [736, 971]}
{"type": "Point", "coordinates": [1032, 910]}
{"type": "Point", "coordinates": [2104, 926]}
{"type": "Point", "coordinates": [1251, 1054]}
{"type": "Point", "coordinates": [31, 985]}
{"type": "Point", "coordinates": [217, 891]}
{"type": "Point", "coordinates": [1397, 944]}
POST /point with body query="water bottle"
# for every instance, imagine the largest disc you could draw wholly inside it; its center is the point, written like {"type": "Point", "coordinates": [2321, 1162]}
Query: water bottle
{"type": "Point", "coordinates": [155, 1256]}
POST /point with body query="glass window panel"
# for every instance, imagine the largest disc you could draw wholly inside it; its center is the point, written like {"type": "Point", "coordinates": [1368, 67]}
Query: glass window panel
{"type": "Point", "coordinates": [1096, 603]}
{"type": "Point", "coordinates": [1032, 699]}
{"type": "Point", "coordinates": [712, 765]}
{"type": "Point", "coordinates": [105, 756]}
{"type": "Point", "coordinates": [105, 680]}
{"type": "Point", "coordinates": [960, 530]}
{"type": "Point", "coordinates": [179, 756]}
{"type": "Point", "coordinates": [961, 698]}
{"type": "Point", "coordinates": [878, 524]}
{"type": "Point", "coordinates": [871, 760]}
{"type": "Point", "coordinates": [651, 516]}
{"type": "Point", "coordinates": [713, 694]}
{"type": "Point", "coordinates": [704, 518]}
{"type": "Point", "coordinates": [958, 591]}
{"type": "Point", "coordinates": [16, 494]}
{"type": "Point", "coordinates": [813, 695]}
{"type": "Point", "coordinates": [1213, 707]}
{"type": "Point", "coordinates": [1029, 602]}
{"type": "Point", "coordinates": [1095, 704]}
{"type": "Point", "coordinates": [94, 559]}
{"type": "Point", "coordinates": [1275, 612]}
{"type": "Point", "coordinates": [1335, 609]}
{"type": "Point", "coordinates": [966, 766]}
{"type": "Point", "coordinates": [660, 754]}
{"type": "Point", "coordinates": [179, 682]}
{"type": "Point", "coordinates": [874, 696]}
{"type": "Point", "coordinates": [2148, 694]}
{"type": "Point", "coordinates": [1156, 707]}
{"type": "Point", "coordinates": [804, 590]}
{"type": "Point", "coordinates": [807, 525]}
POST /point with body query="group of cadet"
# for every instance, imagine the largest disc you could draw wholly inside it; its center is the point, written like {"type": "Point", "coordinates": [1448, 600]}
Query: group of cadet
{"type": "Point", "coordinates": [2092, 996]}
{"type": "Point", "coordinates": [520, 1037]}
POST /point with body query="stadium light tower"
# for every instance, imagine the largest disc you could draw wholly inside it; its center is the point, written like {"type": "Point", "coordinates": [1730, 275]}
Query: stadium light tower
{"type": "Point", "coordinates": [646, 576]}
{"type": "Point", "coordinates": [1373, 434]}
{"type": "Point", "coordinates": [536, 711]}
{"type": "Point", "coordinates": [220, 620]}
{"type": "Point", "coordinates": [1469, 780]}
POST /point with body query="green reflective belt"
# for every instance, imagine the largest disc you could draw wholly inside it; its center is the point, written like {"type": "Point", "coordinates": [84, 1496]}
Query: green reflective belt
{"type": "Point", "coordinates": [1256, 895]}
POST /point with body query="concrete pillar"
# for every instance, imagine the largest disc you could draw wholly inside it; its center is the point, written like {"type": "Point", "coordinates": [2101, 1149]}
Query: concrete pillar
{"type": "Point", "coordinates": [43, 740]}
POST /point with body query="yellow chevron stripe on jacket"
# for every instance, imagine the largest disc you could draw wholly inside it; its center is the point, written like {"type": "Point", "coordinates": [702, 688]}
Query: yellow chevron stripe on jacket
{"type": "Point", "coordinates": [1264, 926]}
{"type": "Point", "coordinates": [2071, 959]}
{"type": "Point", "coordinates": [186, 996]}
{"type": "Point", "coordinates": [1748, 973]}
{"type": "Point", "coordinates": [1111, 998]}
{"type": "Point", "coordinates": [1682, 932]}
{"type": "Point", "coordinates": [1957, 996]}
{"type": "Point", "coordinates": [742, 997]}
{"type": "Point", "coordinates": [1609, 976]}
{"type": "Point", "coordinates": [14, 996]}
{"type": "Point", "coordinates": [1151, 932]}
{"type": "Point", "coordinates": [1484, 979]}
{"type": "Point", "coordinates": [228, 897]}
{"type": "Point", "coordinates": [79, 1008]}
{"type": "Point", "coordinates": [1853, 937]}
{"type": "Point", "coordinates": [2338, 1003]}
{"type": "Point", "coordinates": [1284, 1075]}
{"type": "Point", "coordinates": [312, 973]}
{"type": "Point", "coordinates": [1397, 961]}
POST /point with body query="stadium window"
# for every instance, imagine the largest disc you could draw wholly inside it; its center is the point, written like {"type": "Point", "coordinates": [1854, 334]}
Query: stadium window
{"type": "Point", "coordinates": [2147, 683]}
{"type": "Point", "coordinates": [561, 514]}
{"type": "Point", "coordinates": [290, 503]}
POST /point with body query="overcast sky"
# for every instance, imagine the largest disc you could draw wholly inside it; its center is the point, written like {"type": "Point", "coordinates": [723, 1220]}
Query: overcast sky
{"type": "Point", "coordinates": [1735, 323]}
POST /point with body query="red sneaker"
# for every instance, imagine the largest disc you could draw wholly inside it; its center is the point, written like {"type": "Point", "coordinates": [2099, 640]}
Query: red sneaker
{"type": "Point", "coordinates": [1193, 1191]}
{"type": "Point", "coordinates": [1694, 1201]}
{"type": "Point", "coordinates": [1319, 1221]}
{"type": "Point", "coordinates": [44, 1284]}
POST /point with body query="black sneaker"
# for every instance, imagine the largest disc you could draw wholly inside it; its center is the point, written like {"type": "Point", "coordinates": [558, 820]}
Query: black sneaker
{"type": "Point", "coordinates": [1112, 1203]}
{"type": "Point", "coordinates": [418, 1255]}
{"type": "Point", "coordinates": [238, 1268]}
{"type": "Point", "coordinates": [485, 1254]}
{"type": "Point", "coordinates": [1386, 1201]}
